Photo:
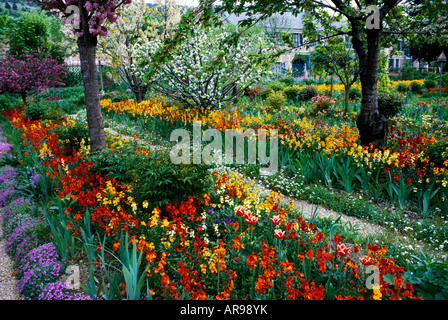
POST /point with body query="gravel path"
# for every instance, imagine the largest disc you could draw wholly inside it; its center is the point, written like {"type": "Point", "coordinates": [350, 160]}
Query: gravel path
{"type": "Point", "coordinates": [8, 289]}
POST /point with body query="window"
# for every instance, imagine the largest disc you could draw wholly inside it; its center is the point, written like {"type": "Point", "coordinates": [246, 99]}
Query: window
{"type": "Point", "coordinates": [297, 39]}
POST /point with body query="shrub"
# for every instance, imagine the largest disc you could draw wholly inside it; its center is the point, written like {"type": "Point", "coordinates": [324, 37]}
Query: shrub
{"type": "Point", "coordinates": [390, 104]}
{"type": "Point", "coordinates": [402, 87]}
{"type": "Point", "coordinates": [164, 181]}
{"type": "Point", "coordinates": [416, 87]}
{"type": "Point", "coordinates": [291, 92]}
{"type": "Point", "coordinates": [307, 93]}
{"type": "Point", "coordinates": [287, 81]}
{"type": "Point", "coordinates": [275, 86]}
{"type": "Point", "coordinates": [276, 100]}
{"type": "Point", "coordinates": [9, 101]}
{"type": "Point", "coordinates": [429, 83]}
{"type": "Point", "coordinates": [34, 111]}
{"type": "Point", "coordinates": [437, 152]}
{"type": "Point", "coordinates": [320, 104]}
{"type": "Point", "coordinates": [355, 93]}
{"type": "Point", "coordinates": [71, 136]}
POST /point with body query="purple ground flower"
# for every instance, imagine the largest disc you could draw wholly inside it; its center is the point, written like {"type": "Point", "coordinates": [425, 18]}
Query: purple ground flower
{"type": "Point", "coordinates": [39, 267]}
{"type": "Point", "coordinates": [60, 291]}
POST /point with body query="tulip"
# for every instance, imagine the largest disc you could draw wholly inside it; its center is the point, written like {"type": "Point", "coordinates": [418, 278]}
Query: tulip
{"type": "Point", "coordinates": [343, 250]}
{"type": "Point", "coordinates": [279, 234]}
{"type": "Point", "coordinates": [276, 220]}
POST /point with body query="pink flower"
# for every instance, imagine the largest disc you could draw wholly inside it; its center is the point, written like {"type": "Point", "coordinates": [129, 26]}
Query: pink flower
{"type": "Point", "coordinates": [276, 220]}
{"type": "Point", "coordinates": [279, 234]}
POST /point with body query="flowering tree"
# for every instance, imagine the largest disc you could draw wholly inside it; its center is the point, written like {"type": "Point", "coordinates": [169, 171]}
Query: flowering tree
{"type": "Point", "coordinates": [88, 18]}
{"type": "Point", "coordinates": [29, 72]}
{"type": "Point", "coordinates": [136, 22]}
{"type": "Point", "coordinates": [205, 72]}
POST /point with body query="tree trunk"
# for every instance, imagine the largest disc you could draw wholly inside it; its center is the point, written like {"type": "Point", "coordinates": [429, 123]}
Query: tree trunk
{"type": "Point", "coordinates": [347, 99]}
{"type": "Point", "coordinates": [87, 47]}
{"type": "Point", "coordinates": [371, 124]}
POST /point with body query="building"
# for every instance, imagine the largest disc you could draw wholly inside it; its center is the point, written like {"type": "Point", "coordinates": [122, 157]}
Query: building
{"type": "Point", "coordinates": [297, 61]}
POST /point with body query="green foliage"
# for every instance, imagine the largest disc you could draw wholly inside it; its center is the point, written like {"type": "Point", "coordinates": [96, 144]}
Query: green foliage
{"type": "Point", "coordinates": [9, 101]}
{"type": "Point", "coordinates": [416, 87]}
{"type": "Point", "coordinates": [291, 92]}
{"type": "Point", "coordinates": [154, 177]}
{"type": "Point", "coordinates": [41, 110]}
{"type": "Point", "coordinates": [276, 100]}
{"type": "Point", "coordinates": [34, 111]}
{"type": "Point", "coordinates": [438, 152]}
{"type": "Point", "coordinates": [307, 93]}
{"type": "Point", "coordinates": [429, 277]}
{"type": "Point", "coordinates": [71, 136]}
{"type": "Point", "coordinates": [384, 81]}
{"type": "Point", "coordinates": [33, 31]}
{"type": "Point", "coordinates": [390, 103]}
{"type": "Point", "coordinates": [402, 87]}
{"type": "Point", "coordinates": [430, 83]}
{"type": "Point", "coordinates": [355, 93]}
{"type": "Point", "coordinates": [275, 86]}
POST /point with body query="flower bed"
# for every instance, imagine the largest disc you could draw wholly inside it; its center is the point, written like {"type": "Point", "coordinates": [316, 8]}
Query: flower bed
{"type": "Point", "coordinates": [229, 242]}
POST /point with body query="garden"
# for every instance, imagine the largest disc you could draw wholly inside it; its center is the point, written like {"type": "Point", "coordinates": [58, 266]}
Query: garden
{"type": "Point", "coordinates": [122, 221]}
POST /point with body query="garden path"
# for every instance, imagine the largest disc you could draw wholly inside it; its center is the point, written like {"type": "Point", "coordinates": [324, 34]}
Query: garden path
{"type": "Point", "coordinates": [8, 289]}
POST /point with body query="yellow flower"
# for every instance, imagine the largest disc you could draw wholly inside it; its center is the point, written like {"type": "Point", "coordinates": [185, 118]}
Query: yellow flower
{"type": "Point", "coordinates": [145, 204]}
{"type": "Point", "coordinates": [376, 292]}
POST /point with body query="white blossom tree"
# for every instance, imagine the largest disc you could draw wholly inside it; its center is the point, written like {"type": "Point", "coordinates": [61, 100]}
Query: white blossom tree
{"type": "Point", "coordinates": [205, 72]}
{"type": "Point", "coordinates": [136, 22]}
